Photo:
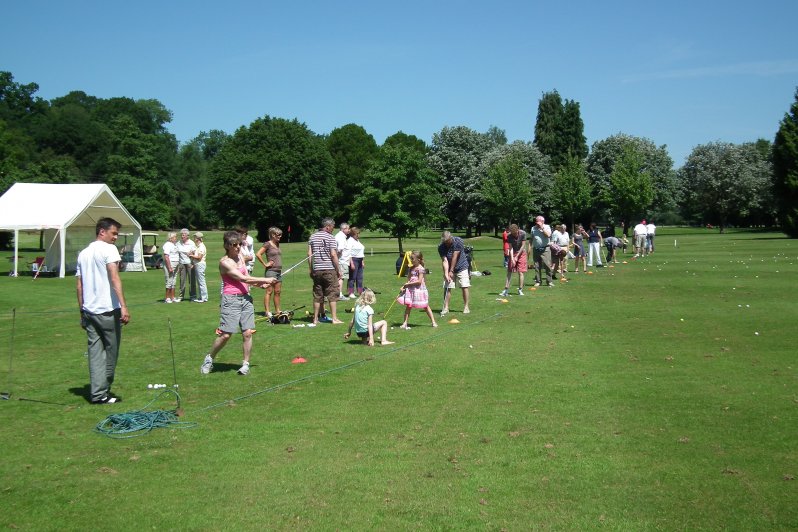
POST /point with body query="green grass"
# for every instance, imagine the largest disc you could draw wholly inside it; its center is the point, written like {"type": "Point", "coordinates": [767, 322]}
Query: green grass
{"type": "Point", "coordinates": [636, 398]}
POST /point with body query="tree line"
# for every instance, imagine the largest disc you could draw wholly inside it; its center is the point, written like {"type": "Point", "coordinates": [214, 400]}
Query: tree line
{"type": "Point", "coordinates": [277, 171]}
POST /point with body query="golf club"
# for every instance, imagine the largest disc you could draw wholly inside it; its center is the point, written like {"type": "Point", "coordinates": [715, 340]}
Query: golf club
{"type": "Point", "coordinates": [6, 395]}
{"type": "Point", "coordinates": [172, 349]}
{"type": "Point", "coordinates": [294, 266]}
{"type": "Point", "coordinates": [392, 304]}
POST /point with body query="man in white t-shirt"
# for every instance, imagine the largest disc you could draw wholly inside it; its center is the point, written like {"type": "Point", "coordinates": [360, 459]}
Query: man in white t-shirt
{"type": "Point", "coordinates": [343, 260]}
{"type": "Point", "coordinates": [651, 231]}
{"type": "Point", "coordinates": [640, 234]}
{"type": "Point", "coordinates": [102, 305]}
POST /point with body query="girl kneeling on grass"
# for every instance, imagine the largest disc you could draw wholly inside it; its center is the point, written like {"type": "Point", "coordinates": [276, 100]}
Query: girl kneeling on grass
{"type": "Point", "coordinates": [414, 291]}
{"type": "Point", "coordinates": [363, 320]}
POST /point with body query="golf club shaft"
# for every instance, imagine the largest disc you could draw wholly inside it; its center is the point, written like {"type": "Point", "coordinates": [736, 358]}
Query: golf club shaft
{"type": "Point", "coordinates": [294, 266]}
{"type": "Point", "coordinates": [172, 348]}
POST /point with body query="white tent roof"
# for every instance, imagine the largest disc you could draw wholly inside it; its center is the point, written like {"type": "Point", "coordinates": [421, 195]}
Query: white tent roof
{"type": "Point", "coordinates": [42, 206]}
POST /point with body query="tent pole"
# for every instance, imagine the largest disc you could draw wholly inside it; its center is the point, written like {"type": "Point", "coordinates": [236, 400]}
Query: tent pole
{"type": "Point", "coordinates": [62, 270]}
{"type": "Point", "coordinates": [16, 252]}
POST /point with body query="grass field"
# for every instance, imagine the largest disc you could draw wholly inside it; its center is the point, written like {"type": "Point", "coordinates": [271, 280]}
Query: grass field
{"type": "Point", "coordinates": [661, 394]}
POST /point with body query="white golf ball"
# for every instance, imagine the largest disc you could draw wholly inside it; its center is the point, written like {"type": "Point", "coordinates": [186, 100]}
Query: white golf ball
{"type": "Point", "coordinates": [756, 333]}
{"type": "Point", "coordinates": [149, 386]}
{"type": "Point", "coordinates": [177, 386]}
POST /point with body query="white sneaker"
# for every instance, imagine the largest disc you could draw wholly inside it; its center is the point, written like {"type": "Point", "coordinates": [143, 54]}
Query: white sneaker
{"type": "Point", "coordinates": [176, 300]}
{"type": "Point", "coordinates": [466, 311]}
{"type": "Point", "coordinates": [352, 296]}
{"type": "Point", "coordinates": [167, 300]}
{"type": "Point", "coordinates": [444, 312]}
{"type": "Point", "coordinates": [520, 291]}
{"type": "Point", "coordinates": [207, 365]}
{"type": "Point", "coordinates": [244, 369]}
{"type": "Point", "coordinates": [537, 283]}
{"type": "Point", "coordinates": [503, 293]}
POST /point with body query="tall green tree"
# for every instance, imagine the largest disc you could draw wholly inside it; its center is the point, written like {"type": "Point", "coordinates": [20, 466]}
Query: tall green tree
{"type": "Point", "coordinates": [572, 194]}
{"type": "Point", "coordinates": [403, 139]}
{"type": "Point", "coordinates": [132, 173]}
{"type": "Point", "coordinates": [631, 191]}
{"type": "Point", "coordinates": [402, 194]}
{"type": "Point", "coordinates": [516, 184]}
{"type": "Point", "coordinates": [273, 172]}
{"type": "Point", "coordinates": [455, 155]}
{"type": "Point", "coordinates": [785, 170]}
{"type": "Point", "coordinates": [352, 149]}
{"type": "Point", "coordinates": [655, 161]}
{"type": "Point", "coordinates": [559, 130]}
{"type": "Point", "coordinates": [724, 182]}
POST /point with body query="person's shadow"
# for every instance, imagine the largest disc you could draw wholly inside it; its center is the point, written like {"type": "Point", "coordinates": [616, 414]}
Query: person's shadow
{"type": "Point", "coordinates": [84, 392]}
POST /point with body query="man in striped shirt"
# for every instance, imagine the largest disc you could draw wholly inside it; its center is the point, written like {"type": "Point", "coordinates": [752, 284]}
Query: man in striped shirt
{"type": "Point", "coordinates": [324, 269]}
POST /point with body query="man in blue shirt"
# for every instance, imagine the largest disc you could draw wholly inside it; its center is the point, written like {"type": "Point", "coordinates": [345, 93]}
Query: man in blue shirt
{"type": "Point", "coordinates": [455, 269]}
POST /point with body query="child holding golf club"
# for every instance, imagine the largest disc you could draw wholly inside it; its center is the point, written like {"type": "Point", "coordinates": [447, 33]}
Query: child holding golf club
{"type": "Point", "coordinates": [363, 320]}
{"type": "Point", "coordinates": [414, 292]}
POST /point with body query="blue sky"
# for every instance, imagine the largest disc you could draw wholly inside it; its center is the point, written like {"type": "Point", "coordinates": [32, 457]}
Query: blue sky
{"type": "Point", "coordinates": [679, 73]}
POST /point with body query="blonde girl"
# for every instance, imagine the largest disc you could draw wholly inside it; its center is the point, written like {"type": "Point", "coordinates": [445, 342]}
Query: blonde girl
{"type": "Point", "coordinates": [274, 267]}
{"type": "Point", "coordinates": [414, 292]}
{"type": "Point", "coordinates": [363, 320]}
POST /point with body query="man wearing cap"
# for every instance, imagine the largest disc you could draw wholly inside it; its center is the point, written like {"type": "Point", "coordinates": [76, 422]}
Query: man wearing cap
{"type": "Point", "coordinates": [198, 271]}
{"type": "Point", "coordinates": [455, 269]}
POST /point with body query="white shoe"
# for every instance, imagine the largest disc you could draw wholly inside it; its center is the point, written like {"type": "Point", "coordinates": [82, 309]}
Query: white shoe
{"type": "Point", "coordinates": [520, 291]}
{"type": "Point", "coordinates": [176, 300]}
{"type": "Point", "coordinates": [503, 293]}
{"type": "Point", "coordinates": [444, 312]}
{"type": "Point", "coordinates": [352, 296]}
{"type": "Point", "coordinates": [167, 300]}
{"type": "Point", "coordinates": [207, 365]}
{"type": "Point", "coordinates": [244, 370]}
{"type": "Point", "coordinates": [466, 311]}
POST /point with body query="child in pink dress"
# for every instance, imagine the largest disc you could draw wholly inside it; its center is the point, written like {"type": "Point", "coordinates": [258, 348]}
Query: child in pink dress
{"type": "Point", "coordinates": [414, 291]}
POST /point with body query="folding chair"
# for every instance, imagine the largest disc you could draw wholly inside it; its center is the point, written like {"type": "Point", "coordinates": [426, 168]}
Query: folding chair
{"type": "Point", "coordinates": [37, 266]}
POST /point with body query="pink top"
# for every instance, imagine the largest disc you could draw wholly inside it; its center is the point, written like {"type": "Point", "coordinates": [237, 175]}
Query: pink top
{"type": "Point", "coordinates": [234, 287]}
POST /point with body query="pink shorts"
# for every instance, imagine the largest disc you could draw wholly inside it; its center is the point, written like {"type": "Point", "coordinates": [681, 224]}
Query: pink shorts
{"type": "Point", "coordinates": [520, 264]}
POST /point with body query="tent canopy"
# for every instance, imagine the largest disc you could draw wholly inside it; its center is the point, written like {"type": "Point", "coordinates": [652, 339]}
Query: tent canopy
{"type": "Point", "coordinates": [67, 214]}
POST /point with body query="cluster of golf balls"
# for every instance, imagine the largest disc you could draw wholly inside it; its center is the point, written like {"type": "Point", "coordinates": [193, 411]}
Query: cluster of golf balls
{"type": "Point", "coordinates": [157, 386]}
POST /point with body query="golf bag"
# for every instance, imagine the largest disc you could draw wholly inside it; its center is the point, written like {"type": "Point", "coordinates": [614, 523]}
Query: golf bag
{"type": "Point", "coordinates": [284, 317]}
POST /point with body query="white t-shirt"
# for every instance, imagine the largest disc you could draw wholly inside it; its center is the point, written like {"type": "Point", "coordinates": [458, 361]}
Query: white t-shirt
{"type": "Point", "coordinates": [170, 250]}
{"type": "Point", "coordinates": [651, 228]}
{"type": "Point", "coordinates": [354, 248]}
{"type": "Point", "coordinates": [340, 241]}
{"type": "Point", "coordinates": [93, 261]}
{"type": "Point", "coordinates": [185, 248]}
{"type": "Point", "coordinates": [640, 229]}
{"type": "Point", "coordinates": [248, 252]}
{"type": "Point", "coordinates": [561, 239]}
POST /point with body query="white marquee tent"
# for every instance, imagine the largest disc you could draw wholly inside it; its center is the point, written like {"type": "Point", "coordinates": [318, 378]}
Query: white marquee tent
{"type": "Point", "coordinates": [68, 214]}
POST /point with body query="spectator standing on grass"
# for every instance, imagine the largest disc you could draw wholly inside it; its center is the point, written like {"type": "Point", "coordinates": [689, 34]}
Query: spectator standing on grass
{"type": "Point", "coordinates": [561, 237]}
{"type": "Point", "coordinates": [341, 238]}
{"type": "Point", "coordinates": [273, 269]}
{"type": "Point", "coordinates": [324, 270]}
{"type": "Point", "coordinates": [185, 248]}
{"type": "Point", "coordinates": [356, 252]}
{"type": "Point", "coordinates": [580, 248]}
{"type": "Point", "coordinates": [102, 306]}
{"type": "Point", "coordinates": [455, 269]}
{"type": "Point", "coordinates": [651, 231]}
{"type": "Point", "coordinates": [236, 307]}
{"type": "Point", "coordinates": [198, 261]}
{"type": "Point", "coordinates": [247, 247]}
{"type": "Point", "coordinates": [640, 235]}
{"type": "Point", "coordinates": [594, 242]}
{"type": "Point", "coordinates": [516, 259]}
{"type": "Point", "coordinates": [541, 252]}
{"type": "Point", "coordinates": [171, 260]}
